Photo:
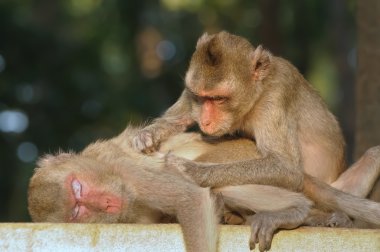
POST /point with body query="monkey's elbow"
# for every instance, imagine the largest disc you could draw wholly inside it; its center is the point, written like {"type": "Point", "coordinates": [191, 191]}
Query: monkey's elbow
{"type": "Point", "coordinates": [294, 181]}
{"type": "Point", "coordinates": [298, 182]}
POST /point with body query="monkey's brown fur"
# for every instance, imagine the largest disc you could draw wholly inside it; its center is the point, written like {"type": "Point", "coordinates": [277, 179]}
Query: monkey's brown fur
{"type": "Point", "coordinates": [233, 87]}
{"type": "Point", "coordinates": [151, 191]}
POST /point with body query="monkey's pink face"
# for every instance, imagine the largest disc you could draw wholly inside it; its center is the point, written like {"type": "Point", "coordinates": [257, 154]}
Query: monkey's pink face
{"type": "Point", "coordinates": [89, 203]}
{"type": "Point", "coordinates": [209, 111]}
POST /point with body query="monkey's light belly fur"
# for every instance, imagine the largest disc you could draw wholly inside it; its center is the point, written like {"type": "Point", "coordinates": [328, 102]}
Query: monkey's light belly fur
{"type": "Point", "coordinates": [123, 237]}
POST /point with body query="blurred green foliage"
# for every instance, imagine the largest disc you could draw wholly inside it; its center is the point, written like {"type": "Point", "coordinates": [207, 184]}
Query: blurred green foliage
{"type": "Point", "coordinates": [72, 71]}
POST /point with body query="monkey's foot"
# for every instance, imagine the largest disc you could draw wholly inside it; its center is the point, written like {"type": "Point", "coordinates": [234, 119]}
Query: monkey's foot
{"type": "Point", "coordinates": [190, 169]}
{"type": "Point", "coordinates": [263, 226]}
{"type": "Point", "coordinates": [339, 219]}
{"type": "Point", "coordinates": [334, 219]}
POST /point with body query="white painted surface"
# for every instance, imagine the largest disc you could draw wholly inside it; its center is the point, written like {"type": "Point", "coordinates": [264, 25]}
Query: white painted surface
{"type": "Point", "coordinates": [51, 237]}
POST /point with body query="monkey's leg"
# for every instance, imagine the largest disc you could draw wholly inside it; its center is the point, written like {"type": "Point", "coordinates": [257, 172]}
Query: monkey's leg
{"type": "Point", "coordinates": [360, 178]}
{"type": "Point", "coordinates": [275, 208]}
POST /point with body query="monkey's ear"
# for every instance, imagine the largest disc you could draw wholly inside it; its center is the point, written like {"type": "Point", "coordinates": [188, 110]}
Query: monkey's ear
{"type": "Point", "coordinates": [53, 160]}
{"type": "Point", "coordinates": [261, 62]}
{"type": "Point", "coordinates": [202, 40]}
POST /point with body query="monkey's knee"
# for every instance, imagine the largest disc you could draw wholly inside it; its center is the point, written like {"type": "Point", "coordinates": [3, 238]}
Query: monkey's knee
{"type": "Point", "coordinates": [373, 152]}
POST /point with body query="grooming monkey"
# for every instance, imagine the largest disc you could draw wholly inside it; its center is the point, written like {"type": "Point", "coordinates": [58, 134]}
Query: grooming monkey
{"type": "Point", "coordinates": [231, 88]}
{"type": "Point", "coordinates": [109, 181]}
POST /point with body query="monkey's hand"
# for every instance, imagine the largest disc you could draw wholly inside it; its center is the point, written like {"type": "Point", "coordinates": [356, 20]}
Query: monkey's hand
{"type": "Point", "coordinates": [188, 168]}
{"type": "Point", "coordinates": [145, 141]}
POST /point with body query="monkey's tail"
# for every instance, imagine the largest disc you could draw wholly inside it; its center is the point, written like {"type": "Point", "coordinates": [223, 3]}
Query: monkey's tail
{"type": "Point", "coordinates": [330, 198]}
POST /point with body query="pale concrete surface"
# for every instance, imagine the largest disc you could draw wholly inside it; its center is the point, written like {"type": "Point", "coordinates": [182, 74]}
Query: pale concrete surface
{"type": "Point", "coordinates": [168, 237]}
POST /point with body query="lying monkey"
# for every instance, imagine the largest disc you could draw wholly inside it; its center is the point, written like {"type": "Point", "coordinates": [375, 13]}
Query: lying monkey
{"type": "Point", "coordinates": [111, 182]}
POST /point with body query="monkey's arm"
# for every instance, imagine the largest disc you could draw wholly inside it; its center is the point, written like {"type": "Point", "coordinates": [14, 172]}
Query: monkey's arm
{"type": "Point", "coordinates": [264, 171]}
{"type": "Point", "coordinates": [193, 206]}
{"type": "Point", "coordinates": [176, 119]}
{"type": "Point", "coordinates": [279, 162]}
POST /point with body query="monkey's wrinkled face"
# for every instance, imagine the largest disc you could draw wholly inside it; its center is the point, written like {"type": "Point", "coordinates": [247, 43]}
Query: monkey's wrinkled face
{"type": "Point", "coordinates": [91, 199]}
{"type": "Point", "coordinates": [211, 110]}
{"type": "Point", "coordinates": [218, 93]}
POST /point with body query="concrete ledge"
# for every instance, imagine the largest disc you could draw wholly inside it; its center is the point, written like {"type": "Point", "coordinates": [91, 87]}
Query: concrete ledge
{"type": "Point", "coordinates": [168, 237]}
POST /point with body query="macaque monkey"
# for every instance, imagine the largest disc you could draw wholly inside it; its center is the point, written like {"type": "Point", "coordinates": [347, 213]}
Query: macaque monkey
{"type": "Point", "coordinates": [231, 87]}
{"type": "Point", "coordinates": [109, 181]}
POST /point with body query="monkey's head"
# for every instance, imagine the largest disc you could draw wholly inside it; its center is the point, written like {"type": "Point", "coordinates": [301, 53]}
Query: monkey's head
{"type": "Point", "coordinates": [224, 80]}
{"type": "Point", "coordinates": [72, 188]}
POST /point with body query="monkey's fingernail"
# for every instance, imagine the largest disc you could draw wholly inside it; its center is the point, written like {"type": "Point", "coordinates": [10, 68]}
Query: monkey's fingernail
{"type": "Point", "coordinates": [160, 154]}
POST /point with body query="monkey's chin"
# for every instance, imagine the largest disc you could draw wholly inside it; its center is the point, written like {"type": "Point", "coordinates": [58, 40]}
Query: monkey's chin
{"type": "Point", "coordinates": [214, 133]}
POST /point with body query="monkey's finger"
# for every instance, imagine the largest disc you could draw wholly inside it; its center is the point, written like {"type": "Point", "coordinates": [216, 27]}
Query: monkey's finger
{"type": "Point", "coordinates": [160, 154]}
{"type": "Point", "coordinates": [138, 144]}
{"type": "Point", "coordinates": [267, 239]}
{"type": "Point", "coordinates": [262, 239]}
{"type": "Point", "coordinates": [144, 141]}
{"type": "Point", "coordinates": [149, 150]}
{"type": "Point", "coordinates": [251, 245]}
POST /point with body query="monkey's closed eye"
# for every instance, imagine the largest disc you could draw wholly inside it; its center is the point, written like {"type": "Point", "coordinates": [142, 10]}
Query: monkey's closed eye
{"type": "Point", "coordinates": [77, 188]}
{"type": "Point", "coordinates": [75, 212]}
{"type": "Point", "coordinates": [219, 99]}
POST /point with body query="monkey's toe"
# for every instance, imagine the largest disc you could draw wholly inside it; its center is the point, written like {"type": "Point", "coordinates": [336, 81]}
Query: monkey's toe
{"type": "Point", "coordinates": [339, 219]}
{"type": "Point", "coordinates": [262, 231]}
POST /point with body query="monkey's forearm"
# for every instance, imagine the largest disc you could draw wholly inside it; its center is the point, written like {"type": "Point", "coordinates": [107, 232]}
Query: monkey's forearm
{"type": "Point", "coordinates": [193, 206]}
{"type": "Point", "coordinates": [265, 171]}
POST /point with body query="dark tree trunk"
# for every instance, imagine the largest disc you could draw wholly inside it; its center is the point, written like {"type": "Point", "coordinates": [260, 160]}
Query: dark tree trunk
{"type": "Point", "coordinates": [340, 34]}
{"type": "Point", "coordinates": [269, 29]}
{"type": "Point", "coordinates": [368, 76]}
{"type": "Point", "coordinates": [368, 84]}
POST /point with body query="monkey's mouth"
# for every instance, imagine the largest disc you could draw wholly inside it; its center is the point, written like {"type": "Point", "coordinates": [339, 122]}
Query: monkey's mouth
{"type": "Point", "coordinates": [123, 216]}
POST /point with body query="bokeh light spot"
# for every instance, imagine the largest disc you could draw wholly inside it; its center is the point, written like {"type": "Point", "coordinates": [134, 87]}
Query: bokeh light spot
{"type": "Point", "coordinates": [27, 152]}
{"type": "Point", "coordinates": [25, 93]}
{"type": "Point", "coordinates": [112, 58]}
{"type": "Point", "coordinates": [13, 121]}
{"type": "Point", "coordinates": [83, 7]}
{"type": "Point", "coordinates": [165, 50]}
